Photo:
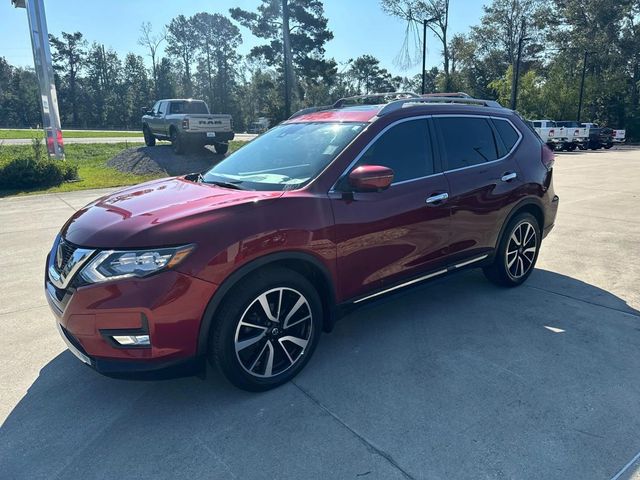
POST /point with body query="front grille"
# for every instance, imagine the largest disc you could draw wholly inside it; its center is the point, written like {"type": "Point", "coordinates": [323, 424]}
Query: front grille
{"type": "Point", "coordinates": [66, 250]}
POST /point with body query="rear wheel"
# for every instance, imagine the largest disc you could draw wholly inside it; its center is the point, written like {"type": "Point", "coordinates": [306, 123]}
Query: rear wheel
{"type": "Point", "coordinates": [221, 148]}
{"type": "Point", "coordinates": [267, 329]}
{"type": "Point", "coordinates": [149, 138]}
{"type": "Point", "coordinates": [571, 147]}
{"type": "Point", "coordinates": [177, 142]}
{"type": "Point", "coordinates": [517, 253]}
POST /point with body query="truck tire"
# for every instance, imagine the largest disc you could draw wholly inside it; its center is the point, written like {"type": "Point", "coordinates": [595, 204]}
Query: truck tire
{"type": "Point", "coordinates": [149, 138]}
{"type": "Point", "coordinates": [177, 142]}
{"type": "Point", "coordinates": [221, 148]}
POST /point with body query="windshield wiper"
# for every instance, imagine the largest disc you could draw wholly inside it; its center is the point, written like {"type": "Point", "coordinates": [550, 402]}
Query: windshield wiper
{"type": "Point", "coordinates": [219, 183]}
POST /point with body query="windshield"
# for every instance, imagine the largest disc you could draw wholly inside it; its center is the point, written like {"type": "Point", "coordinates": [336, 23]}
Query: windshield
{"type": "Point", "coordinates": [285, 157]}
{"type": "Point", "coordinates": [189, 107]}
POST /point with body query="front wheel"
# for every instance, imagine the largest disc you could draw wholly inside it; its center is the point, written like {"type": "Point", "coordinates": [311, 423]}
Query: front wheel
{"type": "Point", "coordinates": [221, 148]}
{"type": "Point", "coordinates": [266, 329]}
{"type": "Point", "coordinates": [149, 138]}
{"type": "Point", "coordinates": [517, 252]}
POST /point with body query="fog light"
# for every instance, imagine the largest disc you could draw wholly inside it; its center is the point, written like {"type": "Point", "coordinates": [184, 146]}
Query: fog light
{"type": "Point", "coordinates": [132, 340]}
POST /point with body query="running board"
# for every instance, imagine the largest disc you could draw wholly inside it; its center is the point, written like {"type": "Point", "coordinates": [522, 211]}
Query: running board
{"type": "Point", "coordinates": [422, 279]}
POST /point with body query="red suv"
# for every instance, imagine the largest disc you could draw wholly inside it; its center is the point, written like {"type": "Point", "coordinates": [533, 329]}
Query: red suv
{"type": "Point", "coordinates": [246, 264]}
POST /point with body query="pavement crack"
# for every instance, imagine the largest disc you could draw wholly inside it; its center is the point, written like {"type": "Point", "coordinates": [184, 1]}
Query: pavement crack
{"type": "Point", "coordinates": [66, 203]}
{"type": "Point", "coordinates": [370, 446]}
{"type": "Point", "coordinates": [633, 314]}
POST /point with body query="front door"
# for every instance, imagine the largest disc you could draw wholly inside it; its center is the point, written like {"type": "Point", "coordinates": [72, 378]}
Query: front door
{"type": "Point", "coordinates": [389, 237]}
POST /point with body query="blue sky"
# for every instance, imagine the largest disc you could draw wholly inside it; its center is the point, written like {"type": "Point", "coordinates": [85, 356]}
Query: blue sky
{"type": "Point", "coordinates": [359, 26]}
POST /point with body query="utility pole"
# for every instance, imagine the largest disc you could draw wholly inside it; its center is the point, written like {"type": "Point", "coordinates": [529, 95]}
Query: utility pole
{"type": "Point", "coordinates": [44, 71]}
{"type": "Point", "coordinates": [516, 73]}
{"type": "Point", "coordinates": [424, 52]}
{"type": "Point", "coordinates": [288, 64]}
{"type": "Point", "coordinates": [584, 71]}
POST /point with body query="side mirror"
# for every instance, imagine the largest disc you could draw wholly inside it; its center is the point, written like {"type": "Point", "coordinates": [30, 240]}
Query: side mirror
{"type": "Point", "coordinates": [147, 111]}
{"type": "Point", "coordinates": [370, 178]}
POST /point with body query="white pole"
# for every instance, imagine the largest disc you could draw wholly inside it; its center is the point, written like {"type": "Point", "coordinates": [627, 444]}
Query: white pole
{"type": "Point", "coordinates": [44, 71]}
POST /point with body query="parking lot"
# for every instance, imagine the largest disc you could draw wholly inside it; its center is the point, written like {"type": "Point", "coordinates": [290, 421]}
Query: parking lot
{"type": "Point", "coordinates": [455, 379]}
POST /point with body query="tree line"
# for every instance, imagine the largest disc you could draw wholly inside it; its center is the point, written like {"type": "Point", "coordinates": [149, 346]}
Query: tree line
{"type": "Point", "coordinates": [198, 57]}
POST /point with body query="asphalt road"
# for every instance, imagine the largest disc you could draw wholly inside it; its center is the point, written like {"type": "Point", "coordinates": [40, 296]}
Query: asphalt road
{"type": "Point", "coordinates": [243, 137]}
{"type": "Point", "coordinates": [456, 379]}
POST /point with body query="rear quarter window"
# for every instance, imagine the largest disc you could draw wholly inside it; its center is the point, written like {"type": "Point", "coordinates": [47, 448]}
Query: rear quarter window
{"type": "Point", "coordinates": [508, 134]}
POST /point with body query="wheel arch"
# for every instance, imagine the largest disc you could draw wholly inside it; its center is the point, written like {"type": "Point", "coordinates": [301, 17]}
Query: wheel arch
{"type": "Point", "coordinates": [303, 263]}
{"type": "Point", "coordinates": [531, 205]}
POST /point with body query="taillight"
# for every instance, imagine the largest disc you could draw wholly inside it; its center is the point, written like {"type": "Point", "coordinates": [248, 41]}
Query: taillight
{"type": "Point", "coordinates": [552, 132]}
{"type": "Point", "coordinates": [548, 157]}
{"type": "Point", "coordinates": [185, 124]}
{"type": "Point", "coordinates": [576, 133]}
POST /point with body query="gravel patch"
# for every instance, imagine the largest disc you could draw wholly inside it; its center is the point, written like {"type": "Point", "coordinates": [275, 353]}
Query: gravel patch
{"type": "Point", "coordinates": [162, 161]}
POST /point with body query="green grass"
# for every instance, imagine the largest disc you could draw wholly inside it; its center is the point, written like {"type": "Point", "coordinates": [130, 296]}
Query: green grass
{"type": "Point", "coordinates": [92, 169]}
{"type": "Point", "coordinates": [27, 134]}
{"type": "Point", "coordinates": [91, 160]}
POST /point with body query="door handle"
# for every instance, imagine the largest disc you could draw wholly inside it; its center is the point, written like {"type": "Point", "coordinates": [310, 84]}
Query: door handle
{"type": "Point", "coordinates": [436, 199]}
{"type": "Point", "coordinates": [507, 177]}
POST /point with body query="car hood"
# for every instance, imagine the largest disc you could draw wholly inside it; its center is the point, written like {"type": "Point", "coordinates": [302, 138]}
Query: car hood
{"type": "Point", "coordinates": [164, 212]}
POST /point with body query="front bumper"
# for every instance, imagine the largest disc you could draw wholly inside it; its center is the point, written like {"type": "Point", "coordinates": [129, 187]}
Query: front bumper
{"type": "Point", "coordinates": [168, 306]}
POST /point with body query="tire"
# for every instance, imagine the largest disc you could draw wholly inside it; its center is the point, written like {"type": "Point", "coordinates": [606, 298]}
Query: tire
{"type": "Point", "coordinates": [177, 142]}
{"type": "Point", "coordinates": [608, 146]}
{"type": "Point", "coordinates": [149, 138]}
{"type": "Point", "coordinates": [571, 148]}
{"type": "Point", "coordinates": [268, 358]}
{"type": "Point", "coordinates": [507, 274]}
{"type": "Point", "coordinates": [221, 148]}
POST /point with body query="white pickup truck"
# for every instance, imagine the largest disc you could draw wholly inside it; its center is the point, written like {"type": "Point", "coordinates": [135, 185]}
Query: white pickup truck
{"type": "Point", "coordinates": [619, 136]}
{"type": "Point", "coordinates": [576, 135]}
{"type": "Point", "coordinates": [549, 132]}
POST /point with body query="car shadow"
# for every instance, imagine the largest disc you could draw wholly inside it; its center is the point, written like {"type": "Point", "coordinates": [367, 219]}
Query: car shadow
{"type": "Point", "coordinates": [458, 362]}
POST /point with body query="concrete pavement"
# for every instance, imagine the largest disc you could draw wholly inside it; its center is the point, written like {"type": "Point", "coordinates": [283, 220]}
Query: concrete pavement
{"type": "Point", "coordinates": [457, 379]}
{"type": "Point", "coordinates": [242, 137]}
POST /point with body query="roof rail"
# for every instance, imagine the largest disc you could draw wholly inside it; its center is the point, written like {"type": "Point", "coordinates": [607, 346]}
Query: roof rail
{"type": "Point", "coordinates": [395, 95]}
{"type": "Point", "coordinates": [453, 95]}
{"type": "Point", "coordinates": [398, 104]}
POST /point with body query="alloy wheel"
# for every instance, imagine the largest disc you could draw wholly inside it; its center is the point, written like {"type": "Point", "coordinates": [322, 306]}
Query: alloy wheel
{"type": "Point", "coordinates": [273, 332]}
{"type": "Point", "coordinates": [521, 250]}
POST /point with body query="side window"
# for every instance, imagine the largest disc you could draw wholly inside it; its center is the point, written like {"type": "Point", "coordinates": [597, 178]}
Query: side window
{"type": "Point", "coordinates": [537, 124]}
{"type": "Point", "coordinates": [176, 108]}
{"type": "Point", "coordinates": [405, 148]}
{"type": "Point", "coordinates": [162, 110]}
{"type": "Point", "coordinates": [156, 108]}
{"type": "Point", "coordinates": [467, 141]}
{"type": "Point", "coordinates": [507, 133]}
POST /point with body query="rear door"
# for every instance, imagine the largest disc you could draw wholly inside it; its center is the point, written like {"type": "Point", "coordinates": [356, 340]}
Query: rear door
{"type": "Point", "coordinates": [479, 156]}
{"type": "Point", "coordinates": [385, 238]}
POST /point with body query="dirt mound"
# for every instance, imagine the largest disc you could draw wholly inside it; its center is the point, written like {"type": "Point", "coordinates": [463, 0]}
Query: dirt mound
{"type": "Point", "coordinates": [161, 160]}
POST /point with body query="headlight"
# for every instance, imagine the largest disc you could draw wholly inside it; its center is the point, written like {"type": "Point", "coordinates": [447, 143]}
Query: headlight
{"type": "Point", "coordinates": [115, 265]}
